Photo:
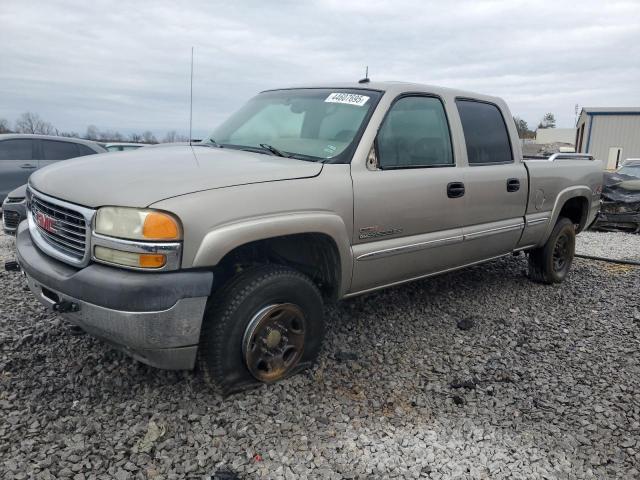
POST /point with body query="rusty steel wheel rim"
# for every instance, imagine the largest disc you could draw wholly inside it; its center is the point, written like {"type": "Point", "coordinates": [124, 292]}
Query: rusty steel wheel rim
{"type": "Point", "coordinates": [273, 342]}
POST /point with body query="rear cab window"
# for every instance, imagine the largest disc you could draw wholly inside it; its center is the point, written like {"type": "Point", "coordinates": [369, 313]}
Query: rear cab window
{"type": "Point", "coordinates": [485, 133]}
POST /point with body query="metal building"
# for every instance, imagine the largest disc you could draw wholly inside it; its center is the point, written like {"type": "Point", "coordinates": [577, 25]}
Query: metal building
{"type": "Point", "coordinates": [609, 134]}
{"type": "Point", "coordinates": [556, 135]}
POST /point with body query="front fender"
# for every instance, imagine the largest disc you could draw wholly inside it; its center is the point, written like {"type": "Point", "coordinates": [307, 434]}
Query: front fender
{"type": "Point", "coordinates": [224, 238]}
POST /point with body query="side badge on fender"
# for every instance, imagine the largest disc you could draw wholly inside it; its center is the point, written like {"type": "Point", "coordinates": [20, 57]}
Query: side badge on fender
{"type": "Point", "coordinates": [375, 231]}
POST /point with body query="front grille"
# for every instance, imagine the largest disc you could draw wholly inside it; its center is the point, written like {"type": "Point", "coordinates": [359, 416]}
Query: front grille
{"type": "Point", "coordinates": [10, 219]}
{"type": "Point", "coordinates": [63, 228]}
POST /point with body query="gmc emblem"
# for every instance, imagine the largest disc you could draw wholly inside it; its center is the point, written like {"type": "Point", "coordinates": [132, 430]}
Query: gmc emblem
{"type": "Point", "coordinates": [45, 222]}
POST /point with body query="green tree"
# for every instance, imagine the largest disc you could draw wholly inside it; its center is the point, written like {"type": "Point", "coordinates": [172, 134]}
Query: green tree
{"type": "Point", "coordinates": [548, 121]}
{"type": "Point", "coordinates": [522, 127]}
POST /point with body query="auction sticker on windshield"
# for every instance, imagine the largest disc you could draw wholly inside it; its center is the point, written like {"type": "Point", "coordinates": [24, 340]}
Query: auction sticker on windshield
{"type": "Point", "coordinates": [348, 98]}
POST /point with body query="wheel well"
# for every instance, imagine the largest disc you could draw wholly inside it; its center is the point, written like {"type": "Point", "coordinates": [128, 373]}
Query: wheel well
{"type": "Point", "coordinates": [314, 254]}
{"type": "Point", "coordinates": [576, 209]}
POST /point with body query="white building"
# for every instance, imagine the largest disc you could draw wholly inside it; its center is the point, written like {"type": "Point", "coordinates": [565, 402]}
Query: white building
{"type": "Point", "coordinates": [609, 134]}
{"type": "Point", "coordinates": [556, 135]}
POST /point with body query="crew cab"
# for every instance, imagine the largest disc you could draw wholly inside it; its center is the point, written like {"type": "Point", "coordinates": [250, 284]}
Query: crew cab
{"type": "Point", "coordinates": [223, 252]}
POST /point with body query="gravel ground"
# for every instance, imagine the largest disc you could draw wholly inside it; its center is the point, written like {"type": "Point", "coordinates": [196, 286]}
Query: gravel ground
{"type": "Point", "coordinates": [618, 245]}
{"type": "Point", "coordinates": [474, 374]}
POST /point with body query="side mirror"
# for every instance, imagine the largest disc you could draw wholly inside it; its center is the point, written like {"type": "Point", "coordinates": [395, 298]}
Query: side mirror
{"type": "Point", "coordinates": [372, 159]}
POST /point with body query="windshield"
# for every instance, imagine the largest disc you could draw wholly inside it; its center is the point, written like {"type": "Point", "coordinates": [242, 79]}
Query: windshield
{"type": "Point", "coordinates": [632, 170]}
{"type": "Point", "coordinates": [312, 124]}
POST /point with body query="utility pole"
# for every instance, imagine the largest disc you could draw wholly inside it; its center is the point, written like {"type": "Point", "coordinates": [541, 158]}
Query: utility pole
{"type": "Point", "coordinates": [191, 100]}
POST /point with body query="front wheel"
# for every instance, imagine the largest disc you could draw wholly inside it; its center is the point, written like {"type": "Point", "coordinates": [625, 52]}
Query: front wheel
{"type": "Point", "coordinates": [265, 325]}
{"type": "Point", "coordinates": [551, 263]}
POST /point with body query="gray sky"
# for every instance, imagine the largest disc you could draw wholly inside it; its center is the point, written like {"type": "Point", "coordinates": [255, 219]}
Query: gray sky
{"type": "Point", "coordinates": [125, 65]}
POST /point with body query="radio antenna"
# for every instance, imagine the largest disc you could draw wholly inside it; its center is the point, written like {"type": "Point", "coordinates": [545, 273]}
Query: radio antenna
{"type": "Point", "coordinates": [191, 100]}
{"type": "Point", "coordinates": [366, 76]}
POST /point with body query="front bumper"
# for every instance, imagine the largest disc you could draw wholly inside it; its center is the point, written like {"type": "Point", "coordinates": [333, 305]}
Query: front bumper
{"type": "Point", "coordinates": [618, 221]}
{"type": "Point", "coordinates": [154, 317]}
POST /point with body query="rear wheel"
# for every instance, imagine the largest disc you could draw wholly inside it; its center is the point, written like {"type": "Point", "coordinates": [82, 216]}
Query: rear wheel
{"type": "Point", "coordinates": [552, 262]}
{"type": "Point", "coordinates": [265, 325]}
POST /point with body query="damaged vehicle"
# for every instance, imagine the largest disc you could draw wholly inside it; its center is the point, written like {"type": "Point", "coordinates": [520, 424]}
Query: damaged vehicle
{"type": "Point", "coordinates": [223, 253]}
{"type": "Point", "coordinates": [620, 208]}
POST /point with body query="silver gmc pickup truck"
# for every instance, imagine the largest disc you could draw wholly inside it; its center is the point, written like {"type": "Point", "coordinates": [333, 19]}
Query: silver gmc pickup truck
{"type": "Point", "coordinates": [222, 253]}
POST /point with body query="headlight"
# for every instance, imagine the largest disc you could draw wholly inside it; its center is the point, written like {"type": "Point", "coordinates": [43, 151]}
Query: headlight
{"type": "Point", "coordinates": [137, 224]}
{"type": "Point", "coordinates": [141, 239]}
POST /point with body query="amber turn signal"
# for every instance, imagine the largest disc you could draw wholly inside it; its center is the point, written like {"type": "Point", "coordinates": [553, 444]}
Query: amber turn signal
{"type": "Point", "coordinates": [148, 260]}
{"type": "Point", "coordinates": [160, 226]}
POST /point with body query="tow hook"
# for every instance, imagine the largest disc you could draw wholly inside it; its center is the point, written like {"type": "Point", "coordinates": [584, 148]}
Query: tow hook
{"type": "Point", "coordinates": [12, 266]}
{"type": "Point", "coordinates": [65, 307]}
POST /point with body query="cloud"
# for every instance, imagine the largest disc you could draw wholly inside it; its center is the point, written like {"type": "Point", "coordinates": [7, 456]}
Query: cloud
{"type": "Point", "coordinates": [125, 66]}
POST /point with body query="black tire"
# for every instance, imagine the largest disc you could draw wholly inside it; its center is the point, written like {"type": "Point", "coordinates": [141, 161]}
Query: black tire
{"type": "Point", "coordinates": [230, 321]}
{"type": "Point", "coordinates": [551, 263]}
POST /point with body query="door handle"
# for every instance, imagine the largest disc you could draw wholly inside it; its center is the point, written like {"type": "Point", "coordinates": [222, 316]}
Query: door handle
{"type": "Point", "coordinates": [28, 165]}
{"type": "Point", "coordinates": [513, 185]}
{"type": "Point", "coordinates": [455, 190]}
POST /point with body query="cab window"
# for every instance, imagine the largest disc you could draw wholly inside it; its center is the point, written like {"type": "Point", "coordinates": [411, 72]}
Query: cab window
{"type": "Point", "coordinates": [485, 133]}
{"type": "Point", "coordinates": [415, 133]}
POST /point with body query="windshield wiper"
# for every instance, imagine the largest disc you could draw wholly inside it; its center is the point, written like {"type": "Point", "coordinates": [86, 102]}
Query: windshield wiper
{"type": "Point", "coordinates": [210, 142]}
{"type": "Point", "coordinates": [274, 150]}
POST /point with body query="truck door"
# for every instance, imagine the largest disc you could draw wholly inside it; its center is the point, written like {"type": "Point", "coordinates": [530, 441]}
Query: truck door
{"type": "Point", "coordinates": [496, 182]}
{"type": "Point", "coordinates": [16, 163]}
{"type": "Point", "coordinates": [408, 198]}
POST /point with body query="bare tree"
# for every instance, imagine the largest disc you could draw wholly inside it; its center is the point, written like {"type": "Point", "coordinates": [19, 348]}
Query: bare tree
{"type": "Point", "coordinates": [92, 133]}
{"type": "Point", "coordinates": [111, 136]}
{"type": "Point", "coordinates": [173, 136]}
{"type": "Point", "coordinates": [135, 137]}
{"type": "Point", "coordinates": [70, 134]}
{"type": "Point", "coordinates": [170, 136]}
{"type": "Point", "coordinates": [148, 137]}
{"type": "Point", "coordinates": [32, 123]}
{"type": "Point", "coordinates": [4, 126]}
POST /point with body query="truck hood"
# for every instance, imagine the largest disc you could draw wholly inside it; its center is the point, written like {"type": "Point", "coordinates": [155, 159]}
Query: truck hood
{"type": "Point", "coordinates": [147, 175]}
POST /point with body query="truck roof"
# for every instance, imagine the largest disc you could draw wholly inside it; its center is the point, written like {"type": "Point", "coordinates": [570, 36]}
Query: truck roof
{"type": "Point", "coordinates": [396, 88]}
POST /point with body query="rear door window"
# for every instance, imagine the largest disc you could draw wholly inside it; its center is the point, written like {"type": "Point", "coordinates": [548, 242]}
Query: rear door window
{"type": "Point", "coordinates": [16, 149]}
{"type": "Point", "coordinates": [485, 133]}
{"type": "Point", "coordinates": [56, 150]}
